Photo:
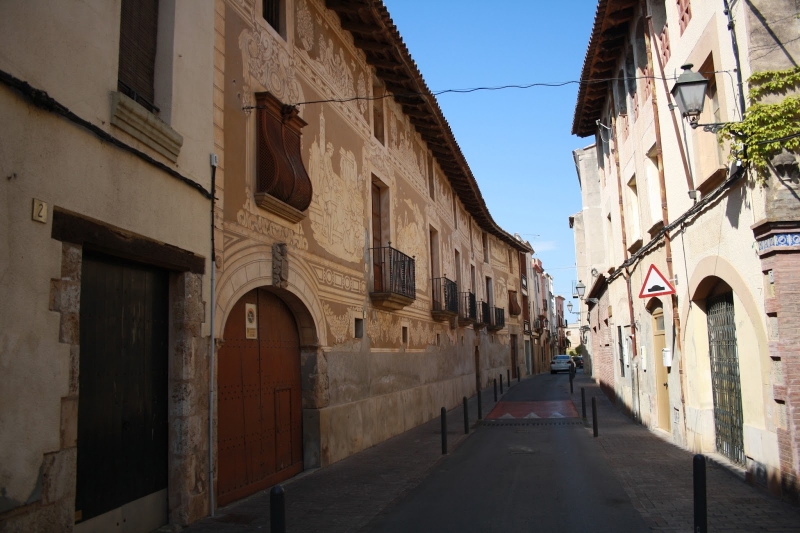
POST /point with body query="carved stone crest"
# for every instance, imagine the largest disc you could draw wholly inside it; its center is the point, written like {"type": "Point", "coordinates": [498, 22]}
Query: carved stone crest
{"type": "Point", "coordinates": [280, 265]}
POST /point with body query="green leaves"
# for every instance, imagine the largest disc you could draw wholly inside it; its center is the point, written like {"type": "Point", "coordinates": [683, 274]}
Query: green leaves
{"type": "Point", "coordinates": [767, 129]}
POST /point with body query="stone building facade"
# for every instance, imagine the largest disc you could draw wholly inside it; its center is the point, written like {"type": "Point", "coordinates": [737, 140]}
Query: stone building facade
{"type": "Point", "coordinates": [712, 363]}
{"type": "Point", "coordinates": [346, 269]}
{"type": "Point", "coordinates": [104, 257]}
{"type": "Point", "coordinates": [404, 292]}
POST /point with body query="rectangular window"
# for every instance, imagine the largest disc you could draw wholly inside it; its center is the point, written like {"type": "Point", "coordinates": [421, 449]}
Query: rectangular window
{"type": "Point", "coordinates": [633, 210]}
{"type": "Point", "coordinates": [272, 10]}
{"type": "Point", "coordinates": [457, 278]}
{"type": "Point", "coordinates": [684, 13]}
{"type": "Point", "coordinates": [431, 185]}
{"type": "Point", "coordinates": [485, 242]}
{"type": "Point", "coordinates": [472, 279]}
{"type": "Point", "coordinates": [377, 113]}
{"type": "Point", "coordinates": [138, 33]}
{"type": "Point", "coordinates": [434, 243]}
{"type": "Point", "coordinates": [621, 350]}
{"type": "Point", "coordinates": [455, 211]}
{"type": "Point", "coordinates": [489, 292]}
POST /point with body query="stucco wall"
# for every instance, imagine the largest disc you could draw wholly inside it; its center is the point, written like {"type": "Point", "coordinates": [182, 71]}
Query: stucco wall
{"type": "Point", "coordinates": [370, 388]}
{"type": "Point", "coordinates": [70, 50]}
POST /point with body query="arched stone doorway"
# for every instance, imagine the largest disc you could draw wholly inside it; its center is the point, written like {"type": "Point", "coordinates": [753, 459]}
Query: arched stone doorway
{"type": "Point", "coordinates": [260, 428]}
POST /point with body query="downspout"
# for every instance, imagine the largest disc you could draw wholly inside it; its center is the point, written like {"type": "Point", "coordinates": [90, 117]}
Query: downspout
{"type": "Point", "coordinates": [662, 185]}
{"type": "Point", "coordinates": [735, 46]}
{"type": "Point", "coordinates": [212, 349]}
{"type": "Point", "coordinates": [627, 275]}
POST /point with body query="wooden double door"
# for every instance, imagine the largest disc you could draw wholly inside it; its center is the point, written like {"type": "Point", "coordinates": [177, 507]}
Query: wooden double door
{"type": "Point", "coordinates": [260, 439]}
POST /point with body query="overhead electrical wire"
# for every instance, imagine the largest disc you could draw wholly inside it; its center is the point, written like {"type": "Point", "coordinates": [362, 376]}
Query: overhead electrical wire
{"type": "Point", "coordinates": [478, 89]}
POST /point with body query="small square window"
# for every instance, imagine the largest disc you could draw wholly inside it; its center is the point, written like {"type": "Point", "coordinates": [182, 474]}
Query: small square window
{"type": "Point", "coordinates": [405, 334]}
{"type": "Point", "coordinates": [358, 328]}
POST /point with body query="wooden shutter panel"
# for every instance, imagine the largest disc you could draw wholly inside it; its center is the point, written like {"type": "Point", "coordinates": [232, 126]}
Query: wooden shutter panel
{"type": "Point", "coordinates": [137, 49]}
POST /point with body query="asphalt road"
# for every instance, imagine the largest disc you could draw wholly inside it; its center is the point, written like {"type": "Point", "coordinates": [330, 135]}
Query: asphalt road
{"type": "Point", "coordinates": [540, 472]}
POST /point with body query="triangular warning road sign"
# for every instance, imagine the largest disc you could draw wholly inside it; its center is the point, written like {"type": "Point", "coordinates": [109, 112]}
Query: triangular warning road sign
{"type": "Point", "coordinates": [655, 284]}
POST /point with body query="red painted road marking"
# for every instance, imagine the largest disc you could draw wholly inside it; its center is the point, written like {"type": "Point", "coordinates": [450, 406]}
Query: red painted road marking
{"type": "Point", "coordinates": [543, 409]}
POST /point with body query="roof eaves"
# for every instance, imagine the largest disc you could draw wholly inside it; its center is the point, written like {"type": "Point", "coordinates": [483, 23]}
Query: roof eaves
{"type": "Point", "coordinates": [405, 72]}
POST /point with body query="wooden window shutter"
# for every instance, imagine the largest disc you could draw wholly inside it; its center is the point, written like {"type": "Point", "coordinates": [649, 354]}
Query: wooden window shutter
{"type": "Point", "coordinates": [280, 172]}
{"type": "Point", "coordinates": [513, 306]}
{"type": "Point", "coordinates": [137, 50]}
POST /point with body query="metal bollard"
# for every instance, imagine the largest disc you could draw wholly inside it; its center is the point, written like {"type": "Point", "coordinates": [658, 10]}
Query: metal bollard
{"type": "Point", "coordinates": [700, 501]}
{"type": "Point", "coordinates": [466, 417]}
{"type": "Point", "coordinates": [594, 416]}
{"type": "Point", "coordinates": [444, 431]}
{"type": "Point", "coordinates": [277, 510]}
{"type": "Point", "coordinates": [495, 389]}
{"type": "Point", "coordinates": [501, 383]}
{"type": "Point", "coordinates": [583, 403]}
{"type": "Point", "coordinates": [480, 406]}
{"type": "Point", "coordinates": [508, 377]}
{"type": "Point", "coordinates": [570, 384]}
{"type": "Point", "coordinates": [518, 375]}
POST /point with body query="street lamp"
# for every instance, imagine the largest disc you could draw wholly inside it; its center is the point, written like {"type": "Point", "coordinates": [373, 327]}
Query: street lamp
{"type": "Point", "coordinates": [581, 288]}
{"type": "Point", "coordinates": [690, 93]}
{"type": "Point", "coordinates": [569, 307]}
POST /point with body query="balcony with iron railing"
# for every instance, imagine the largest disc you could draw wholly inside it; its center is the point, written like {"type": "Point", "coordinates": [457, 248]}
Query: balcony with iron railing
{"type": "Point", "coordinates": [467, 309]}
{"type": "Point", "coordinates": [445, 299]}
{"type": "Point", "coordinates": [394, 279]}
{"type": "Point", "coordinates": [483, 316]}
{"type": "Point", "coordinates": [497, 319]}
{"type": "Point", "coordinates": [526, 327]}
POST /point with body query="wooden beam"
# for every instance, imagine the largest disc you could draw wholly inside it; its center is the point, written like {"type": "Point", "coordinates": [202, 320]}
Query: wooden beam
{"type": "Point", "coordinates": [387, 75]}
{"type": "Point", "coordinates": [345, 6]}
{"type": "Point", "coordinates": [360, 27]}
{"type": "Point", "coordinates": [385, 63]}
{"type": "Point", "coordinates": [102, 237]}
{"type": "Point", "coordinates": [370, 45]}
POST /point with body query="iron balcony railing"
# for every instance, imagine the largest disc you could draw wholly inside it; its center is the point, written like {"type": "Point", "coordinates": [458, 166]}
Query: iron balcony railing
{"type": "Point", "coordinates": [467, 306]}
{"type": "Point", "coordinates": [526, 326]}
{"type": "Point", "coordinates": [498, 318]}
{"type": "Point", "coordinates": [537, 324]}
{"type": "Point", "coordinates": [394, 272]}
{"type": "Point", "coordinates": [483, 313]}
{"type": "Point", "coordinates": [445, 295]}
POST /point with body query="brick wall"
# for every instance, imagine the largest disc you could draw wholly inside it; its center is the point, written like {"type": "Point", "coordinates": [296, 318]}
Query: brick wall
{"type": "Point", "coordinates": [602, 347]}
{"type": "Point", "coordinates": [782, 306]}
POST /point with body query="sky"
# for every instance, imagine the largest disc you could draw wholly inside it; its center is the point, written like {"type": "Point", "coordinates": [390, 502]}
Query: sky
{"type": "Point", "coordinates": [517, 142]}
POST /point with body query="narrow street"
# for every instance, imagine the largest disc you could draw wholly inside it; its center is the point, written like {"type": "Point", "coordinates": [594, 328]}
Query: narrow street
{"type": "Point", "coordinates": [543, 474]}
{"type": "Point", "coordinates": [523, 471]}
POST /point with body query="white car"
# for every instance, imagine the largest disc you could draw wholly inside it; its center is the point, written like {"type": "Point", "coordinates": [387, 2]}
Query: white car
{"type": "Point", "coordinates": [560, 363]}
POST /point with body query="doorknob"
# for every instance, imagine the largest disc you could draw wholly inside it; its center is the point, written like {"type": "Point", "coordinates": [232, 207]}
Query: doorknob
{"type": "Point", "coordinates": [665, 385]}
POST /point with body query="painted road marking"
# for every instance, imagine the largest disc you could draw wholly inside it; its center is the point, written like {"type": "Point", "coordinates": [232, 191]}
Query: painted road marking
{"type": "Point", "coordinates": [523, 410]}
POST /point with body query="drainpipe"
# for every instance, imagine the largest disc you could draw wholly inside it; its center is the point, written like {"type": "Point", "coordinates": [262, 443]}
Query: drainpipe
{"type": "Point", "coordinates": [627, 275]}
{"type": "Point", "coordinates": [213, 304]}
{"type": "Point", "coordinates": [676, 321]}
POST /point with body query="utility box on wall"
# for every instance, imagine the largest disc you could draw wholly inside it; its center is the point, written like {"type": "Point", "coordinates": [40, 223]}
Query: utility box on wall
{"type": "Point", "coordinates": [666, 355]}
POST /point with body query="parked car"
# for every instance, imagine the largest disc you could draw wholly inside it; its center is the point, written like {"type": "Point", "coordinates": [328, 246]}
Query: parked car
{"type": "Point", "coordinates": [560, 363]}
{"type": "Point", "coordinates": [578, 360]}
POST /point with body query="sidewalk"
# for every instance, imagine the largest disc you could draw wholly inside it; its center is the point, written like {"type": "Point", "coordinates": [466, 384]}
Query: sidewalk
{"type": "Point", "coordinates": [347, 495]}
{"type": "Point", "coordinates": [657, 476]}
